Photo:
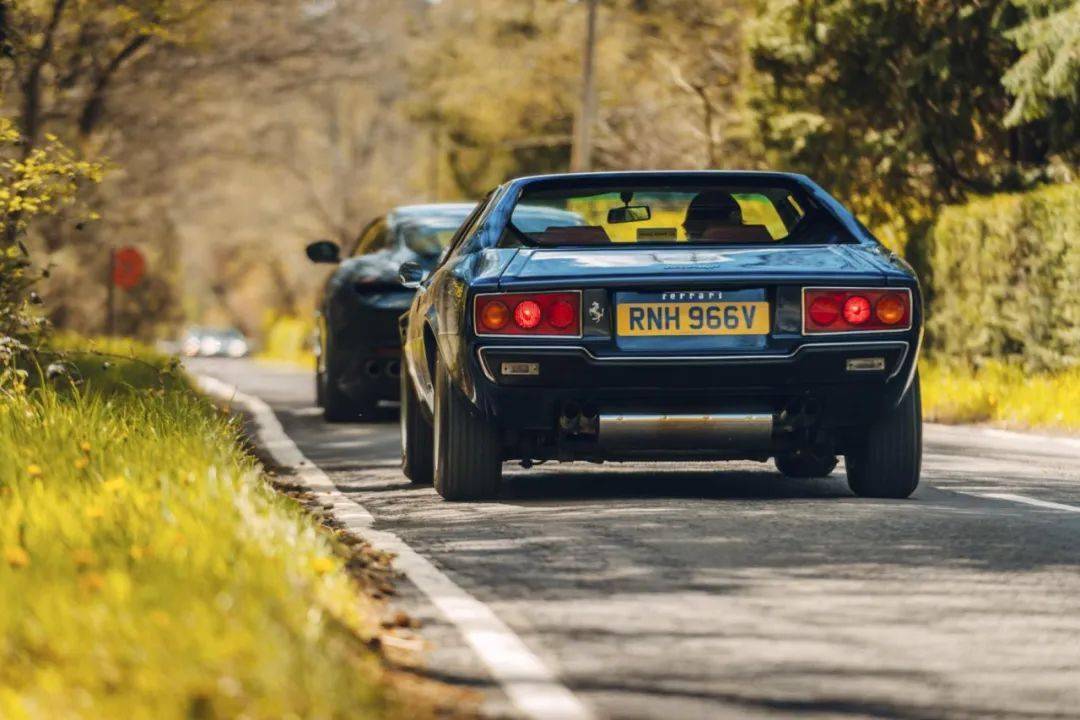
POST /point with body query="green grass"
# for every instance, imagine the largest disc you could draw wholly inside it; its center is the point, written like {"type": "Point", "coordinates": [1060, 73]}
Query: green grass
{"type": "Point", "coordinates": [1002, 394]}
{"type": "Point", "coordinates": [148, 571]}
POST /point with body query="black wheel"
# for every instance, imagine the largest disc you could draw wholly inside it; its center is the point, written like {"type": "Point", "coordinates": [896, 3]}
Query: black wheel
{"type": "Point", "coordinates": [468, 454]}
{"type": "Point", "coordinates": [417, 458]}
{"type": "Point", "coordinates": [805, 464]}
{"type": "Point", "coordinates": [336, 405]}
{"type": "Point", "coordinates": [886, 461]}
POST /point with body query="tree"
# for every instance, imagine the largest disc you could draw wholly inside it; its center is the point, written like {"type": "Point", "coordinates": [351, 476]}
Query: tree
{"type": "Point", "coordinates": [1046, 79]}
{"type": "Point", "coordinates": [497, 83]}
{"type": "Point", "coordinates": [898, 105]}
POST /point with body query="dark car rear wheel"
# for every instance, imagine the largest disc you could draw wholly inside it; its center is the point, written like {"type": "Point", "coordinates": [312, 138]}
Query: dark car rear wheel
{"type": "Point", "coordinates": [887, 460]}
{"type": "Point", "coordinates": [336, 405]}
{"type": "Point", "coordinates": [417, 457]}
{"type": "Point", "coordinates": [805, 464]}
{"type": "Point", "coordinates": [468, 453]}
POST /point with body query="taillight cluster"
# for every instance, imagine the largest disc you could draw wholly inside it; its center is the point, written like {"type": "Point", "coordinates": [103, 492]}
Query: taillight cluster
{"type": "Point", "coordinates": [831, 310]}
{"type": "Point", "coordinates": [554, 313]}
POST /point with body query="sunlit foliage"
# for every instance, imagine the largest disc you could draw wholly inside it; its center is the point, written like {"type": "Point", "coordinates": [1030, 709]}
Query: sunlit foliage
{"type": "Point", "coordinates": [147, 570]}
{"type": "Point", "coordinates": [42, 181]}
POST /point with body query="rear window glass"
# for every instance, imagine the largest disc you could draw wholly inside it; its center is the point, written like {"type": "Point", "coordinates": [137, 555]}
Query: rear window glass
{"type": "Point", "coordinates": [716, 214]}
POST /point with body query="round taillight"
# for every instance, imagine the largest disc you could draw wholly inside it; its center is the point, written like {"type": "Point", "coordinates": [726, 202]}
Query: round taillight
{"type": "Point", "coordinates": [560, 314]}
{"type": "Point", "coordinates": [494, 315]}
{"type": "Point", "coordinates": [890, 309]}
{"type": "Point", "coordinates": [856, 310]}
{"type": "Point", "coordinates": [824, 311]}
{"type": "Point", "coordinates": [527, 314]}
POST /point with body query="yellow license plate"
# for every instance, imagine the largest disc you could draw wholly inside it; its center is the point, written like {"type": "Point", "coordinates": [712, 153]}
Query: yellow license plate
{"type": "Point", "coordinates": [693, 318]}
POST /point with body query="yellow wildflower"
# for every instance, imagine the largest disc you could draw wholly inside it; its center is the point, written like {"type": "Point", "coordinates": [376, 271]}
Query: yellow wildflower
{"type": "Point", "coordinates": [81, 463]}
{"type": "Point", "coordinates": [34, 470]}
{"type": "Point", "coordinates": [322, 564]}
{"type": "Point", "coordinates": [114, 484]}
{"type": "Point", "coordinates": [137, 553]}
{"type": "Point", "coordinates": [84, 446]}
{"type": "Point", "coordinates": [91, 581]}
{"type": "Point", "coordinates": [16, 557]}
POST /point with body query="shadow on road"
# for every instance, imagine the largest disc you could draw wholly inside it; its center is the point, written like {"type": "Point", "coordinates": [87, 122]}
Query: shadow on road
{"type": "Point", "coordinates": [612, 481]}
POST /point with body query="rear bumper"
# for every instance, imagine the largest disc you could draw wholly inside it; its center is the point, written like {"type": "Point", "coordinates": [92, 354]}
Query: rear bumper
{"type": "Point", "coordinates": [848, 383]}
{"type": "Point", "coordinates": [366, 353]}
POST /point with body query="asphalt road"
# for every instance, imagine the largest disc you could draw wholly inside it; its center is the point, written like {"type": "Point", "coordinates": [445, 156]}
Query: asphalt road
{"type": "Point", "coordinates": [726, 590]}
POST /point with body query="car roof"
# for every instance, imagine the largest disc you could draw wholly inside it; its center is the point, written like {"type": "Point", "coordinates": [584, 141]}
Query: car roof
{"type": "Point", "coordinates": [426, 210]}
{"type": "Point", "coordinates": [750, 177]}
{"type": "Point", "coordinates": [661, 174]}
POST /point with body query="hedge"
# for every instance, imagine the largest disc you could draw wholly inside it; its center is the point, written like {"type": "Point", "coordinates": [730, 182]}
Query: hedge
{"type": "Point", "coordinates": [1004, 280]}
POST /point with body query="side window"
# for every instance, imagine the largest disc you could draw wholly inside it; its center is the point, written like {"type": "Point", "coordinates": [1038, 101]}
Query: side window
{"type": "Point", "coordinates": [375, 237]}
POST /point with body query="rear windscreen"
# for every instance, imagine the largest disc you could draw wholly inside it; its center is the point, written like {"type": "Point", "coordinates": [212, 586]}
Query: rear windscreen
{"type": "Point", "coordinates": [714, 214]}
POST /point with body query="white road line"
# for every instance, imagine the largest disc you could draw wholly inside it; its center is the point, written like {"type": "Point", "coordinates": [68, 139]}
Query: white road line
{"type": "Point", "coordinates": [531, 686]}
{"type": "Point", "coordinates": [1026, 500]}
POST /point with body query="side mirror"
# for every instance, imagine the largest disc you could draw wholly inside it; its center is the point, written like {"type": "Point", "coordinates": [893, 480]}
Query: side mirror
{"type": "Point", "coordinates": [324, 251]}
{"type": "Point", "coordinates": [629, 213]}
{"type": "Point", "coordinates": [410, 274]}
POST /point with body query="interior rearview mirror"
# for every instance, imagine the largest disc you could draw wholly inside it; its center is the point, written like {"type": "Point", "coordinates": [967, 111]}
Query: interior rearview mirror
{"type": "Point", "coordinates": [410, 274]}
{"type": "Point", "coordinates": [629, 213]}
{"type": "Point", "coordinates": [324, 251]}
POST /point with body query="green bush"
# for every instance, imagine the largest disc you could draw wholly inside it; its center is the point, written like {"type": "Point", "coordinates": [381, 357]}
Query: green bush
{"type": "Point", "coordinates": [1005, 280]}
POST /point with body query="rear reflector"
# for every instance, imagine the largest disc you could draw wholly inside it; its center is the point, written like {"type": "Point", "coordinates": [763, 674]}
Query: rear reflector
{"type": "Point", "coordinates": [534, 314]}
{"type": "Point", "coordinates": [839, 310]}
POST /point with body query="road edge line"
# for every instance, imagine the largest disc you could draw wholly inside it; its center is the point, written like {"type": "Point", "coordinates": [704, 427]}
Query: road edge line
{"type": "Point", "coordinates": [1013, 497]}
{"type": "Point", "coordinates": [531, 687]}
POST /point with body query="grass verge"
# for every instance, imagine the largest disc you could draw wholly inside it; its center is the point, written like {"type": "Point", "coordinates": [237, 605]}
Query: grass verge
{"type": "Point", "coordinates": [1002, 394]}
{"type": "Point", "coordinates": [147, 570]}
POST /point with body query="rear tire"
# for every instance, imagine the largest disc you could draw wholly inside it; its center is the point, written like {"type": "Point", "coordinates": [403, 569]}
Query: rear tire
{"type": "Point", "coordinates": [337, 406]}
{"type": "Point", "coordinates": [417, 456]}
{"type": "Point", "coordinates": [468, 451]}
{"type": "Point", "coordinates": [805, 465]}
{"type": "Point", "coordinates": [887, 460]}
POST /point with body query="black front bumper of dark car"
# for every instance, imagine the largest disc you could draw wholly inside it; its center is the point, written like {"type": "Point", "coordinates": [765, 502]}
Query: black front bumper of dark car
{"type": "Point", "coordinates": [830, 378]}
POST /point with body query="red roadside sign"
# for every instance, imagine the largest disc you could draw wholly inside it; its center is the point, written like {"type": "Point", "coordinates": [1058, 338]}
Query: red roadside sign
{"type": "Point", "coordinates": [128, 267]}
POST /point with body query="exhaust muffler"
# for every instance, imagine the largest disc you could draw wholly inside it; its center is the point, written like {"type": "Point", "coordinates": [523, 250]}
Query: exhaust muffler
{"type": "Point", "coordinates": [697, 431]}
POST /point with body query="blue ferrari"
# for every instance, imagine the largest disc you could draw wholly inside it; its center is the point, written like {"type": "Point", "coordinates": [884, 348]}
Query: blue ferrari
{"type": "Point", "coordinates": [662, 316]}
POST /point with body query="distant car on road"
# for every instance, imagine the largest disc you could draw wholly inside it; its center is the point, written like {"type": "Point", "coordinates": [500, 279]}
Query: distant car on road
{"type": "Point", "coordinates": [681, 315]}
{"type": "Point", "coordinates": [214, 342]}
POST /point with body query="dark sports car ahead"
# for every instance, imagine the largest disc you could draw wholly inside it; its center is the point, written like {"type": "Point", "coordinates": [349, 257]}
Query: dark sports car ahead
{"type": "Point", "coordinates": [359, 350]}
{"type": "Point", "coordinates": [705, 315]}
